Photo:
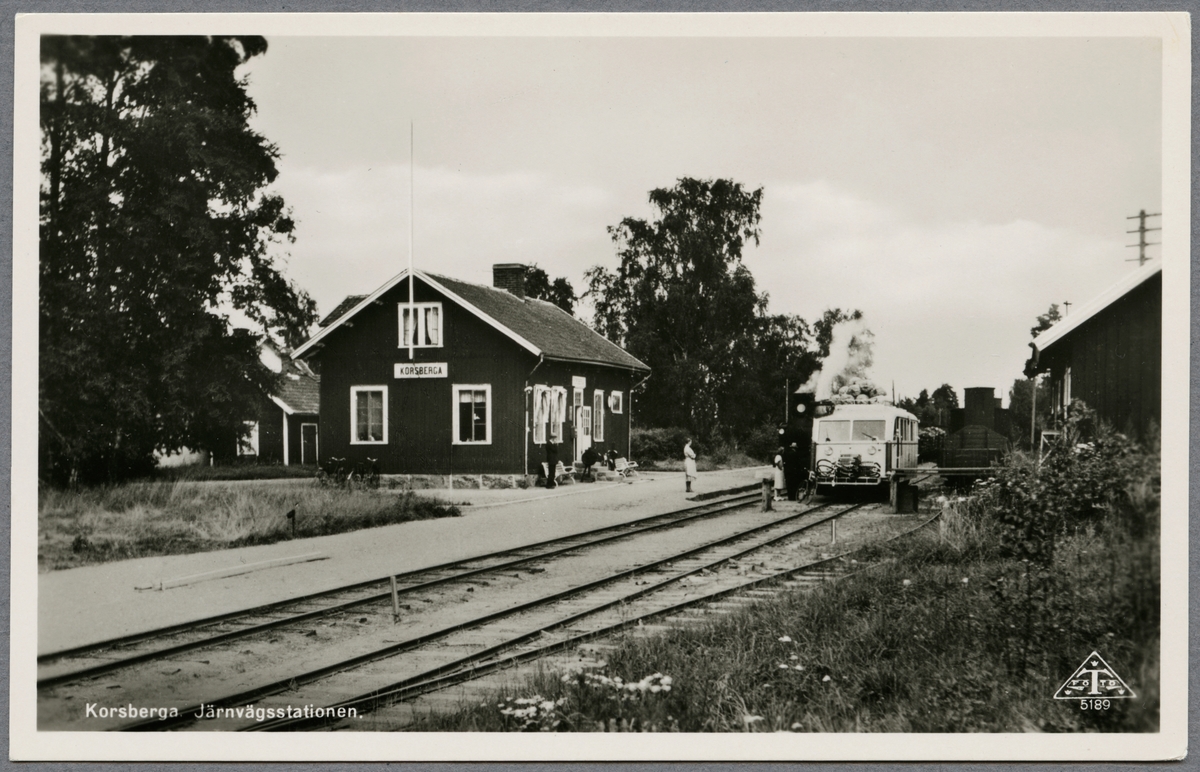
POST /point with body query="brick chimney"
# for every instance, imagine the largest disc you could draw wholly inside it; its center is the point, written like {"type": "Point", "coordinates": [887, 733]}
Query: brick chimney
{"type": "Point", "coordinates": [509, 277]}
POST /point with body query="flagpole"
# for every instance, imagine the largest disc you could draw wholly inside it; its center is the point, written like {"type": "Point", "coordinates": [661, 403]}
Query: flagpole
{"type": "Point", "coordinates": [412, 314]}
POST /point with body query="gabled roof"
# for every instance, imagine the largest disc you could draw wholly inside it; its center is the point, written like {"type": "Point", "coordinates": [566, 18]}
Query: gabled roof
{"type": "Point", "coordinates": [1127, 284]}
{"type": "Point", "coordinates": [350, 302]}
{"type": "Point", "coordinates": [554, 332]}
{"type": "Point", "coordinates": [299, 389]}
{"type": "Point", "coordinates": [541, 328]}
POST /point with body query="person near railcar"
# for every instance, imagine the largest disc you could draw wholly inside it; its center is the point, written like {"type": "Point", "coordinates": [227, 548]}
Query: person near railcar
{"type": "Point", "coordinates": [793, 467]}
{"type": "Point", "coordinates": [780, 485]}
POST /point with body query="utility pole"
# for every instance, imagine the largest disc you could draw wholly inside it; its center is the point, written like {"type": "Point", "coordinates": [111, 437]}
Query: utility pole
{"type": "Point", "coordinates": [1066, 307]}
{"type": "Point", "coordinates": [1142, 230]}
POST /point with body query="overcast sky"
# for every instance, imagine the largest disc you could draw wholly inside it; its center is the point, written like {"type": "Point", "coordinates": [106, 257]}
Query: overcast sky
{"type": "Point", "coordinates": [951, 189]}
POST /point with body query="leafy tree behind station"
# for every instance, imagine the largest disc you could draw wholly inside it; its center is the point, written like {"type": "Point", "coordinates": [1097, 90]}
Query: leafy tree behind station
{"type": "Point", "coordinates": [155, 227]}
{"type": "Point", "coordinates": [682, 301]}
{"type": "Point", "coordinates": [1046, 321]}
{"type": "Point", "coordinates": [932, 409]}
{"type": "Point", "coordinates": [559, 291]}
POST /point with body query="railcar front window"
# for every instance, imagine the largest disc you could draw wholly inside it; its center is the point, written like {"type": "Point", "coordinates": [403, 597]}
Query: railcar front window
{"type": "Point", "coordinates": [834, 431]}
{"type": "Point", "coordinates": [868, 431]}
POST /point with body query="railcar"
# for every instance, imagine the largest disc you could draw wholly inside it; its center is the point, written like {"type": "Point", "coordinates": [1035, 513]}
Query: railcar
{"type": "Point", "coordinates": [861, 444]}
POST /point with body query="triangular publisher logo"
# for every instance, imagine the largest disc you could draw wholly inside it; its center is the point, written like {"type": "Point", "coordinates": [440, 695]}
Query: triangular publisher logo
{"type": "Point", "coordinates": [1094, 679]}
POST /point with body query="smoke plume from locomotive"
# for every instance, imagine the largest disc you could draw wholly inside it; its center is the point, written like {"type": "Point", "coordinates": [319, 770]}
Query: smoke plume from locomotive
{"type": "Point", "coordinates": [851, 352]}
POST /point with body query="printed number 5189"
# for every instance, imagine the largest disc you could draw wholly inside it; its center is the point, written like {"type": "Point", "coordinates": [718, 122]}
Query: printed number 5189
{"type": "Point", "coordinates": [1094, 704]}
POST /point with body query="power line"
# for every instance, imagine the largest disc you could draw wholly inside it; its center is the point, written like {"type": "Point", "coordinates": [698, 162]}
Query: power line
{"type": "Point", "coordinates": [1142, 230]}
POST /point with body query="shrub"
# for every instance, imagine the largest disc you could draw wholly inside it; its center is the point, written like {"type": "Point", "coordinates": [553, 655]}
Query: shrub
{"type": "Point", "coordinates": [1086, 480]}
{"type": "Point", "coordinates": [661, 444]}
{"type": "Point", "coordinates": [762, 443]}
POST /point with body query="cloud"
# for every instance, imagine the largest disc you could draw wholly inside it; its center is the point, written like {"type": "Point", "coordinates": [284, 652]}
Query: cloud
{"type": "Point", "coordinates": [948, 301]}
{"type": "Point", "coordinates": [352, 232]}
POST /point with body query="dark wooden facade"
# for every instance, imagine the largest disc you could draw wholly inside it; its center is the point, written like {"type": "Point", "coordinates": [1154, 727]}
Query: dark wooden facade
{"type": "Point", "coordinates": [420, 412]}
{"type": "Point", "coordinates": [301, 433]}
{"type": "Point", "coordinates": [1112, 360]}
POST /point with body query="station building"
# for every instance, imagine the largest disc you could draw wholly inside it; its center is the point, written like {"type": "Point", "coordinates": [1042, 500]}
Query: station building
{"type": "Point", "coordinates": [466, 379]}
{"type": "Point", "coordinates": [1108, 353]}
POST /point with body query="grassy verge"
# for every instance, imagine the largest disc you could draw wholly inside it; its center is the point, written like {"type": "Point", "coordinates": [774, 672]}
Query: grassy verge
{"type": "Point", "coordinates": [99, 525]}
{"type": "Point", "coordinates": [969, 626]}
{"type": "Point", "coordinates": [200, 472]}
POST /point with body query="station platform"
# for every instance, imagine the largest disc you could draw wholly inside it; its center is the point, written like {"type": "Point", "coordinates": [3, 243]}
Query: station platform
{"type": "Point", "coordinates": [93, 603]}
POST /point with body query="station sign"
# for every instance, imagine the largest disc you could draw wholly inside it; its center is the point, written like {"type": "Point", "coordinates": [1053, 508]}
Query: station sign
{"type": "Point", "coordinates": [420, 369]}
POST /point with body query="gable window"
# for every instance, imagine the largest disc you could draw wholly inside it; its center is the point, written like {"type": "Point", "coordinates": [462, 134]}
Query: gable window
{"type": "Point", "coordinates": [472, 414]}
{"type": "Point", "coordinates": [368, 415]}
{"type": "Point", "coordinates": [598, 416]}
{"type": "Point", "coordinates": [420, 325]}
{"type": "Point", "coordinates": [616, 402]}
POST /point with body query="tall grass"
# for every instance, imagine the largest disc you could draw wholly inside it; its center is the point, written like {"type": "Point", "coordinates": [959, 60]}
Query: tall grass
{"type": "Point", "coordinates": [197, 472]}
{"type": "Point", "coordinates": [96, 525]}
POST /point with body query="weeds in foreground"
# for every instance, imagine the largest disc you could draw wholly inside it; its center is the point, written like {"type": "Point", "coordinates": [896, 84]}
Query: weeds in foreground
{"type": "Point", "coordinates": [99, 525]}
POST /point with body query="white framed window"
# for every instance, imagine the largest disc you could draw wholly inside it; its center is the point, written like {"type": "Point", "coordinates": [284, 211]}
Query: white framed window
{"type": "Point", "coordinates": [541, 413]}
{"type": "Point", "coordinates": [616, 402]}
{"type": "Point", "coordinates": [558, 412]}
{"type": "Point", "coordinates": [368, 415]}
{"type": "Point", "coordinates": [577, 397]}
{"type": "Point", "coordinates": [420, 325]}
{"type": "Point", "coordinates": [472, 413]}
{"type": "Point", "coordinates": [598, 416]}
{"type": "Point", "coordinates": [248, 444]}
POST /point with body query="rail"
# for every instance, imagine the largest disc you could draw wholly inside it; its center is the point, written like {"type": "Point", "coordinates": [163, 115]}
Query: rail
{"type": "Point", "coordinates": [423, 580]}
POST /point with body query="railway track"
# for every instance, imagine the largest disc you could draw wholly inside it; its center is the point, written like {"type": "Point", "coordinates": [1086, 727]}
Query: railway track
{"type": "Point", "coordinates": [574, 634]}
{"type": "Point", "coordinates": [104, 657]}
{"type": "Point", "coordinates": [431, 659]}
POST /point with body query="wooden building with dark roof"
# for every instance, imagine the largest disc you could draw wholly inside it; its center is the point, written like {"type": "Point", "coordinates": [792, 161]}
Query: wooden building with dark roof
{"type": "Point", "coordinates": [461, 378]}
{"type": "Point", "coordinates": [285, 429]}
{"type": "Point", "coordinates": [1108, 353]}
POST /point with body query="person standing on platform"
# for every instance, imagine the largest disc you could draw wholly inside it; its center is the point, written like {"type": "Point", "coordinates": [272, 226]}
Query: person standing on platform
{"type": "Point", "coordinates": [780, 486]}
{"type": "Point", "coordinates": [590, 457]}
{"type": "Point", "coordinates": [689, 464]}
{"type": "Point", "coordinates": [551, 463]}
{"type": "Point", "coordinates": [792, 468]}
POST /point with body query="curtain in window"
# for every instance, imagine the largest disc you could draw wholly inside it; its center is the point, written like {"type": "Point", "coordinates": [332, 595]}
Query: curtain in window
{"type": "Point", "coordinates": [558, 413]}
{"type": "Point", "coordinates": [406, 322]}
{"type": "Point", "coordinates": [369, 416]}
{"type": "Point", "coordinates": [432, 327]}
{"type": "Point", "coordinates": [541, 413]}
{"type": "Point", "coordinates": [598, 416]}
{"type": "Point", "coordinates": [472, 415]}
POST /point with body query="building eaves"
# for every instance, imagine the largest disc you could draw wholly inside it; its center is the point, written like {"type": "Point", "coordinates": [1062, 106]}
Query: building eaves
{"type": "Point", "coordinates": [1127, 284]}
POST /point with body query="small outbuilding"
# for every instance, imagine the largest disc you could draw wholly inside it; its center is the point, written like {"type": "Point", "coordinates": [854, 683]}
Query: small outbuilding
{"type": "Point", "coordinates": [1108, 353]}
{"type": "Point", "coordinates": [436, 376]}
{"type": "Point", "coordinates": [285, 428]}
